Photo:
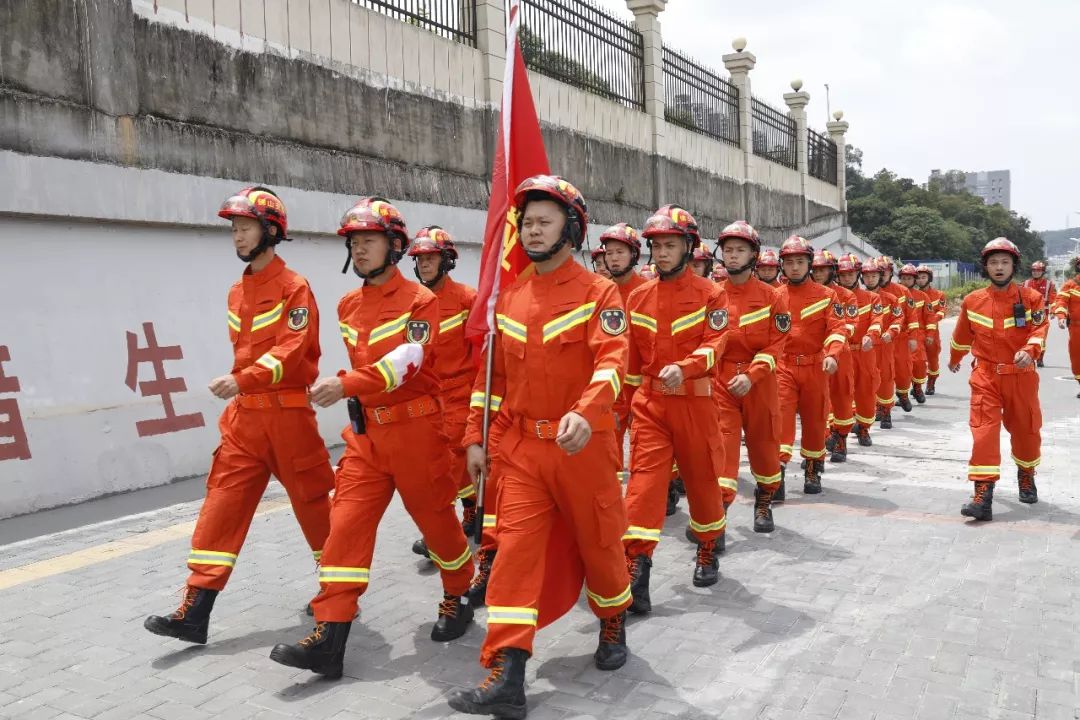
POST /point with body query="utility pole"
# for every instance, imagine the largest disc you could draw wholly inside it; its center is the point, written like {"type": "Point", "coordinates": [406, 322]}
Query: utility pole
{"type": "Point", "coordinates": [828, 108]}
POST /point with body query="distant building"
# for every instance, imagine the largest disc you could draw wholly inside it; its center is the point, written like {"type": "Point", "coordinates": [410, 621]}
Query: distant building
{"type": "Point", "coordinates": [993, 186]}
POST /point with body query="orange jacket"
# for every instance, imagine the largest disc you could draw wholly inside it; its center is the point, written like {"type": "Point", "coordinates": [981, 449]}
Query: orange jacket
{"type": "Point", "coordinates": [560, 346]}
{"type": "Point", "coordinates": [815, 322]}
{"type": "Point", "coordinates": [849, 306]}
{"type": "Point", "coordinates": [759, 323]}
{"type": "Point", "coordinates": [986, 326]}
{"type": "Point", "coordinates": [906, 302]}
{"type": "Point", "coordinates": [937, 307]}
{"type": "Point", "coordinates": [632, 283]}
{"type": "Point", "coordinates": [924, 314]}
{"type": "Point", "coordinates": [274, 328]}
{"type": "Point", "coordinates": [892, 318]}
{"type": "Point", "coordinates": [681, 321]}
{"type": "Point", "coordinates": [871, 316]}
{"type": "Point", "coordinates": [622, 405]}
{"type": "Point", "coordinates": [1044, 286]}
{"type": "Point", "coordinates": [375, 319]}
{"type": "Point", "coordinates": [453, 353]}
{"type": "Point", "coordinates": [1067, 302]}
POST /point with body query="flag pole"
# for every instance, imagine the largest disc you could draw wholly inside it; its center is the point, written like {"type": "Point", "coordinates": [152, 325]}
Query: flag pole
{"type": "Point", "coordinates": [481, 485]}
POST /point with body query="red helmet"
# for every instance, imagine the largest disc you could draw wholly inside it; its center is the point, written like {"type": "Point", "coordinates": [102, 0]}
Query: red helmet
{"type": "Point", "coordinates": [925, 269]}
{"type": "Point", "coordinates": [822, 259]}
{"type": "Point", "coordinates": [1038, 265]}
{"type": "Point", "coordinates": [562, 192]}
{"type": "Point", "coordinates": [672, 219]}
{"type": "Point", "coordinates": [259, 203]}
{"type": "Point", "coordinates": [596, 253]}
{"type": "Point", "coordinates": [649, 272]}
{"type": "Point", "coordinates": [433, 240]}
{"type": "Point", "coordinates": [909, 269]}
{"type": "Point", "coordinates": [796, 245]}
{"type": "Point", "coordinates": [741, 230]}
{"type": "Point", "coordinates": [622, 233]}
{"type": "Point", "coordinates": [848, 263]}
{"type": "Point", "coordinates": [886, 263]}
{"type": "Point", "coordinates": [998, 245]}
{"type": "Point", "coordinates": [767, 258]}
{"type": "Point", "coordinates": [719, 272]}
{"type": "Point", "coordinates": [702, 252]}
{"type": "Point", "coordinates": [872, 265]}
{"type": "Point", "coordinates": [374, 214]}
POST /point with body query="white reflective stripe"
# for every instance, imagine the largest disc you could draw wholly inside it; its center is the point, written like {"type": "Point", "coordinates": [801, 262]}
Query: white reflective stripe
{"type": "Point", "coordinates": [388, 329]}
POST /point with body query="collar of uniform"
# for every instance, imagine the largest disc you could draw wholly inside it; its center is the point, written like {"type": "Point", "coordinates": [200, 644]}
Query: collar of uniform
{"type": "Point", "coordinates": [562, 274]}
{"type": "Point", "coordinates": [395, 281]}
{"type": "Point", "coordinates": [447, 287]}
{"type": "Point", "coordinates": [751, 282]}
{"type": "Point", "coordinates": [683, 279]}
{"type": "Point", "coordinates": [268, 273]}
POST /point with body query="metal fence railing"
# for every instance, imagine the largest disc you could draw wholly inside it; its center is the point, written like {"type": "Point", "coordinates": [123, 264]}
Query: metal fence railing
{"type": "Point", "coordinates": [583, 46]}
{"type": "Point", "coordinates": [773, 134]}
{"type": "Point", "coordinates": [451, 19]}
{"type": "Point", "coordinates": [821, 156]}
{"type": "Point", "coordinates": [698, 99]}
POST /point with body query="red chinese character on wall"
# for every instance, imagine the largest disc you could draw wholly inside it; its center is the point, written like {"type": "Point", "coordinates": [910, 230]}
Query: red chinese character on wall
{"type": "Point", "coordinates": [11, 427]}
{"type": "Point", "coordinates": [160, 385]}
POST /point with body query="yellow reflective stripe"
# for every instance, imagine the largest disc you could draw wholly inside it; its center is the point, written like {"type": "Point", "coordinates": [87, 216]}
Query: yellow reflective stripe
{"type": "Point", "coordinates": [490, 520]}
{"type": "Point", "coordinates": [634, 380]}
{"type": "Point", "coordinates": [577, 316]}
{"type": "Point", "coordinates": [814, 309]}
{"type": "Point", "coordinates": [864, 420]}
{"type": "Point", "coordinates": [339, 574]}
{"type": "Point", "coordinates": [348, 333]}
{"type": "Point", "coordinates": [386, 369]}
{"type": "Point", "coordinates": [606, 602]}
{"type": "Point", "coordinates": [476, 400]}
{"type": "Point", "coordinates": [211, 557]}
{"type": "Point", "coordinates": [834, 337]}
{"type": "Point", "coordinates": [729, 483]}
{"type": "Point", "coordinates": [466, 492]}
{"type": "Point", "coordinates": [317, 554]}
{"type": "Point", "coordinates": [766, 479]}
{"type": "Point", "coordinates": [1026, 464]}
{"type": "Point", "coordinates": [843, 423]}
{"type": "Point", "coordinates": [767, 359]}
{"type": "Point", "coordinates": [708, 527]}
{"type": "Point", "coordinates": [788, 449]}
{"type": "Point", "coordinates": [756, 316]}
{"type": "Point", "coordinates": [709, 354]}
{"type": "Point", "coordinates": [267, 318]}
{"type": "Point", "coordinates": [388, 329]}
{"type": "Point", "coordinates": [984, 469]}
{"type": "Point", "coordinates": [957, 346]}
{"type": "Point", "coordinates": [865, 309]}
{"type": "Point", "coordinates": [512, 328]}
{"type": "Point", "coordinates": [913, 325]}
{"type": "Point", "coordinates": [875, 326]}
{"type": "Point", "coordinates": [451, 564]}
{"type": "Point", "coordinates": [688, 321]}
{"type": "Point", "coordinates": [931, 326]}
{"type": "Point", "coordinates": [642, 320]}
{"type": "Point", "coordinates": [812, 454]}
{"type": "Point", "coordinates": [884, 401]}
{"type": "Point", "coordinates": [1011, 322]}
{"type": "Point", "coordinates": [234, 321]}
{"type": "Point", "coordinates": [610, 376]}
{"type": "Point", "coordinates": [453, 321]}
{"type": "Point", "coordinates": [639, 533]}
{"type": "Point", "coordinates": [919, 303]}
{"type": "Point", "coordinates": [980, 319]}
{"type": "Point", "coordinates": [511, 615]}
{"type": "Point", "coordinates": [274, 365]}
{"type": "Point", "coordinates": [1037, 341]}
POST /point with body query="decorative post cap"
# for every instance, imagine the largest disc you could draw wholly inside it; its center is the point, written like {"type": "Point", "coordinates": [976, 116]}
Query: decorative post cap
{"type": "Point", "coordinates": [646, 7]}
{"type": "Point", "coordinates": [837, 127]}
{"type": "Point", "coordinates": [796, 84]}
{"type": "Point", "coordinates": [798, 100]}
{"type": "Point", "coordinates": [838, 115]}
{"type": "Point", "coordinates": [738, 44]}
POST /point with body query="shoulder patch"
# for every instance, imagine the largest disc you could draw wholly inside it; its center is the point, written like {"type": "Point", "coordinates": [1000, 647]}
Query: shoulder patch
{"type": "Point", "coordinates": [298, 318]}
{"type": "Point", "coordinates": [613, 321]}
{"type": "Point", "coordinates": [718, 319]}
{"type": "Point", "coordinates": [911, 302]}
{"type": "Point", "coordinates": [418, 331]}
{"type": "Point", "coordinates": [1038, 317]}
{"type": "Point", "coordinates": [878, 308]}
{"type": "Point", "coordinates": [853, 311]}
{"type": "Point", "coordinates": [782, 321]}
{"type": "Point", "coordinates": [838, 309]}
{"type": "Point", "coordinates": [897, 311]}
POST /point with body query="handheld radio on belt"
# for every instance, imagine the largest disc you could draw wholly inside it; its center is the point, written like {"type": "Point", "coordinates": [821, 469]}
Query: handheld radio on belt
{"type": "Point", "coordinates": [356, 416]}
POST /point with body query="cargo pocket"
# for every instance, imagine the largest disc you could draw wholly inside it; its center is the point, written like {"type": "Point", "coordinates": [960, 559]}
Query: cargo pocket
{"type": "Point", "coordinates": [984, 412]}
{"type": "Point", "coordinates": [312, 475]}
{"type": "Point", "coordinates": [610, 514]}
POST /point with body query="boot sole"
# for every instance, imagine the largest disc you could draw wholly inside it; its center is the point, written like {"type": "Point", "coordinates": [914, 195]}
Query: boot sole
{"type": "Point", "coordinates": [811, 491]}
{"type": "Point", "coordinates": [838, 458]}
{"type": "Point", "coordinates": [982, 517]}
{"type": "Point", "coordinates": [764, 528]}
{"type": "Point", "coordinates": [705, 583]}
{"type": "Point", "coordinates": [165, 631]}
{"type": "Point", "coordinates": [1029, 501]}
{"type": "Point", "coordinates": [640, 609]}
{"type": "Point", "coordinates": [609, 665]}
{"type": "Point", "coordinates": [501, 710]}
{"type": "Point", "coordinates": [283, 657]}
{"type": "Point", "coordinates": [453, 635]}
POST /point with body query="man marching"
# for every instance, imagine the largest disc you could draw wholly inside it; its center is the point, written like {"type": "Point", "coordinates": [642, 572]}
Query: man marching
{"type": "Point", "coordinates": [1004, 327]}
{"type": "Point", "coordinates": [907, 341]}
{"type": "Point", "coordinates": [924, 315]}
{"type": "Point", "coordinates": [870, 316]}
{"type": "Point", "coordinates": [818, 337]}
{"type": "Point", "coordinates": [936, 309]}
{"type": "Point", "coordinates": [560, 353]}
{"type": "Point", "coordinates": [677, 328]}
{"type": "Point", "coordinates": [768, 268]}
{"type": "Point", "coordinates": [596, 255]}
{"type": "Point", "coordinates": [842, 383]}
{"type": "Point", "coordinates": [269, 427]}
{"type": "Point", "coordinates": [396, 440]}
{"type": "Point", "coordinates": [1066, 308]}
{"type": "Point", "coordinates": [1042, 285]}
{"type": "Point", "coordinates": [874, 274]}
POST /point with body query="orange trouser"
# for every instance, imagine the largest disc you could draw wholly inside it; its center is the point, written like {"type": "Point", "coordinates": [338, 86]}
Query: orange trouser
{"type": "Point", "coordinates": [537, 480]}
{"type": "Point", "coordinates": [919, 364]}
{"type": "Point", "coordinates": [867, 380]}
{"type": "Point", "coordinates": [758, 415]}
{"type": "Point", "coordinates": [842, 393]}
{"type": "Point", "coordinates": [499, 424]}
{"type": "Point", "coordinates": [886, 387]}
{"type": "Point", "coordinates": [933, 356]}
{"type": "Point", "coordinates": [1074, 347]}
{"type": "Point", "coordinates": [665, 429]}
{"type": "Point", "coordinates": [902, 364]}
{"type": "Point", "coordinates": [1013, 397]}
{"type": "Point", "coordinates": [410, 456]}
{"type": "Point", "coordinates": [803, 388]}
{"type": "Point", "coordinates": [256, 443]}
{"type": "Point", "coordinates": [455, 402]}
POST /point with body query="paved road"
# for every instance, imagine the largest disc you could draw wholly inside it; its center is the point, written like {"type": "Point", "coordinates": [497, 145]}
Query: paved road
{"type": "Point", "coordinates": [872, 600]}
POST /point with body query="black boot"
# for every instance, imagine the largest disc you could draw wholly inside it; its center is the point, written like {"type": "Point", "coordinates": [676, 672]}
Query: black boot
{"type": "Point", "coordinates": [780, 494]}
{"type": "Point", "coordinates": [502, 694]}
{"type": "Point", "coordinates": [455, 614]}
{"type": "Point", "coordinates": [420, 548]}
{"type": "Point", "coordinates": [763, 522]}
{"type": "Point", "coordinates": [468, 517]}
{"type": "Point", "coordinates": [879, 413]}
{"type": "Point", "coordinates": [1039, 363]}
{"type": "Point", "coordinates": [720, 542]}
{"type": "Point", "coordinates": [322, 652]}
{"type": "Point", "coordinates": [190, 621]}
{"type": "Point", "coordinates": [886, 418]}
{"type": "Point", "coordinates": [904, 401]}
{"type": "Point", "coordinates": [830, 439]}
{"type": "Point", "coordinates": [639, 568]}
{"type": "Point", "coordinates": [611, 650]}
{"type": "Point", "coordinates": [980, 505]}
{"type": "Point", "coordinates": [839, 451]}
{"type": "Point", "coordinates": [917, 393]}
{"type": "Point", "coordinates": [863, 433]}
{"type": "Point", "coordinates": [680, 485]}
{"type": "Point", "coordinates": [672, 499]}
{"type": "Point", "coordinates": [1025, 478]}
{"type": "Point", "coordinates": [706, 566]}
{"type": "Point", "coordinates": [478, 588]}
{"type": "Point", "coordinates": [931, 385]}
{"type": "Point", "coordinates": [812, 478]}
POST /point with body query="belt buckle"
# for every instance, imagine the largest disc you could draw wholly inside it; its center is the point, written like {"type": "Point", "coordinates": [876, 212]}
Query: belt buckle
{"type": "Point", "coordinates": [377, 412]}
{"type": "Point", "coordinates": [542, 429]}
{"type": "Point", "coordinates": [260, 400]}
{"type": "Point", "coordinates": [666, 390]}
{"type": "Point", "coordinates": [998, 367]}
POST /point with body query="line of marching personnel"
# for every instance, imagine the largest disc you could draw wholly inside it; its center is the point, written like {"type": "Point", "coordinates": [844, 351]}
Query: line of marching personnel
{"type": "Point", "coordinates": [691, 368]}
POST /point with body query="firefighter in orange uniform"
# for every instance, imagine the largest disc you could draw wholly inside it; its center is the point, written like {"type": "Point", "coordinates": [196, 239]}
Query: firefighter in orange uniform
{"type": "Point", "coordinates": [870, 315]}
{"type": "Point", "coordinates": [269, 427]}
{"type": "Point", "coordinates": [701, 264]}
{"type": "Point", "coordinates": [907, 342]}
{"type": "Point", "coordinates": [1066, 307]}
{"type": "Point", "coordinates": [924, 315]}
{"type": "Point", "coordinates": [560, 354]}
{"type": "Point", "coordinates": [747, 396]}
{"type": "Point", "coordinates": [896, 307]}
{"type": "Point", "coordinates": [936, 309]}
{"type": "Point", "coordinates": [677, 328]}
{"type": "Point", "coordinates": [841, 396]}
{"type": "Point", "coordinates": [1004, 327]}
{"type": "Point", "coordinates": [598, 266]}
{"type": "Point", "coordinates": [719, 273]}
{"type": "Point", "coordinates": [434, 256]}
{"type": "Point", "coordinates": [395, 441]}
{"type": "Point", "coordinates": [1045, 287]}
{"type": "Point", "coordinates": [768, 268]}
{"type": "Point", "coordinates": [818, 337]}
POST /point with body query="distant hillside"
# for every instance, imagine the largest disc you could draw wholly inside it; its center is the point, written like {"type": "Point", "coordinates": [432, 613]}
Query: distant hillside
{"type": "Point", "coordinates": [1058, 242]}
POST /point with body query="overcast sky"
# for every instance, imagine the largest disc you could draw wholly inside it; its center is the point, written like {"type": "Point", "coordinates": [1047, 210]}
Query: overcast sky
{"type": "Point", "coordinates": [985, 85]}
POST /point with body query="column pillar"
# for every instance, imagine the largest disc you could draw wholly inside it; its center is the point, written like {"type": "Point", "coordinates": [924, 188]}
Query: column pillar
{"type": "Point", "coordinates": [647, 21]}
{"type": "Point", "coordinates": [739, 64]}
{"type": "Point", "coordinates": [797, 102]}
{"type": "Point", "coordinates": [491, 42]}
{"type": "Point", "coordinates": [837, 130]}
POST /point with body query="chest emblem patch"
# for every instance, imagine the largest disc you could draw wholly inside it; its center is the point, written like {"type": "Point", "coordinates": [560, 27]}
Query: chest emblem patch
{"type": "Point", "coordinates": [418, 331]}
{"type": "Point", "coordinates": [298, 318]}
{"type": "Point", "coordinates": [613, 321]}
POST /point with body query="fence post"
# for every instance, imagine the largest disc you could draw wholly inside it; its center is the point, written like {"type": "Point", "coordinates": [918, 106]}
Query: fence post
{"type": "Point", "coordinates": [797, 102]}
{"type": "Point", "coordinates": [739, 64]}
{"type": "Point", "coordinates": [647, 21]}
{"type": "Point", "coordinates": [491, 42]}
{"type": "Point", "coordinates": [837, 127]}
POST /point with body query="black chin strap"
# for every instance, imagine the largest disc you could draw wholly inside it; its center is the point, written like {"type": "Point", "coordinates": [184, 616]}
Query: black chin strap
{"type": "Point", "coordinates": [683, 262]}
{"type": "Point", "coordinates": [392, 258]}
{"type": "Point", "coordinates": [267, 240]}
{"type": "Point", "coordinates": [634, 257]}
{"type": "Point", "coordinates": [445, 266]}
{"type": "Point", "coordinates": [801, 280]}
